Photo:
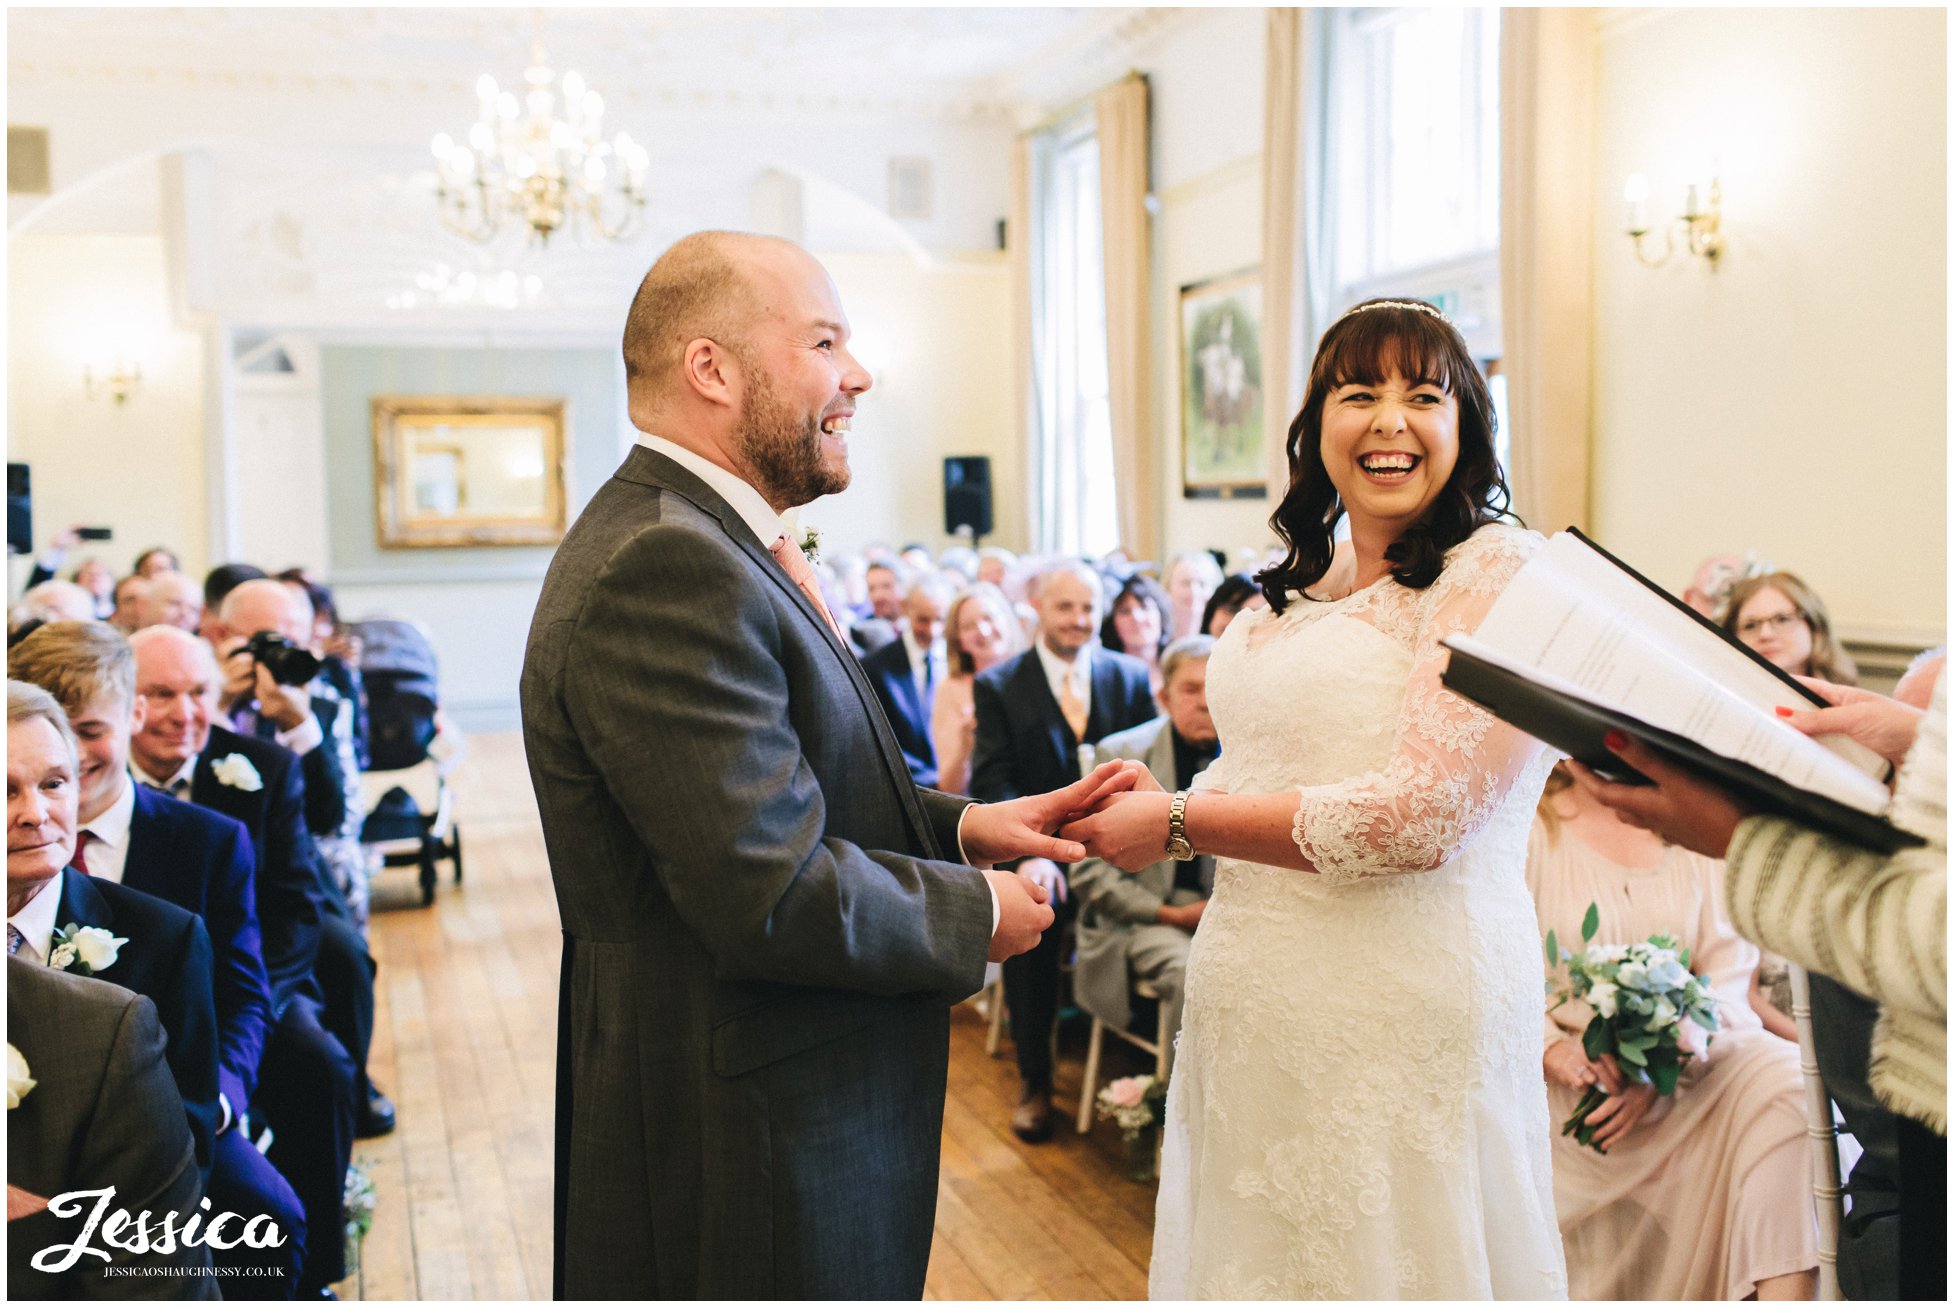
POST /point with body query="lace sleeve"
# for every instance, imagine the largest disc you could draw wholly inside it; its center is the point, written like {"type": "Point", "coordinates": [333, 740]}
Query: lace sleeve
{"type": "Point", "coordinates": [1452, 764]}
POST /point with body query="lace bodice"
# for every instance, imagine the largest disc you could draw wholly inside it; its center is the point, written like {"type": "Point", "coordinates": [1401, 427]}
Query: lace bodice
{"type": "Point", "coordinates": [1448, 764]}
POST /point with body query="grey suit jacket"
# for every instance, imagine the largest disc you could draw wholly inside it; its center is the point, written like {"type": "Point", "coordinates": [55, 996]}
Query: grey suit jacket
{"type": "Point", "coordinates": [104, 1112]}
{"type": "Point", "coordinates": [1111, 902]}
{"type": "Point", "coordinates": [761, 937]}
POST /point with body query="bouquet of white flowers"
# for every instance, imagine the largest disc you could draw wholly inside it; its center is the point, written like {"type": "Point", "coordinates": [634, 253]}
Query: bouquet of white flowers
{"type": "Point", "coordinates": [1640, 994]}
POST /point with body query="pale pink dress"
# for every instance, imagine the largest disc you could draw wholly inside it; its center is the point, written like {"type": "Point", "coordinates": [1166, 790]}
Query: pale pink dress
{"type": "Point", "coordinates": [1711, 1191]}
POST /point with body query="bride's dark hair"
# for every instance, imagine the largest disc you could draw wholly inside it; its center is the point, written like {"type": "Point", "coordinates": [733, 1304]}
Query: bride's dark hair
{"type": "Point", "coordinates": [1366, 345]}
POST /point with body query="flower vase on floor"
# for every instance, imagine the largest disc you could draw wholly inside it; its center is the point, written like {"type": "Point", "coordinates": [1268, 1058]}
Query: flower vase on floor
{"type": "Point", "coordinates": [1143, 1155]}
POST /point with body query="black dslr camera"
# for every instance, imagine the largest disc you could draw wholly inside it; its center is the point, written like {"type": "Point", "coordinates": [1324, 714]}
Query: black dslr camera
{"type": "Point", "coordinates": [288, 664]}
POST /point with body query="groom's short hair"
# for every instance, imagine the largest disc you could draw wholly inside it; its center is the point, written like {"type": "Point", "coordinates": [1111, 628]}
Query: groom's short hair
{"type": "Point", "coordinates": [696, 288]}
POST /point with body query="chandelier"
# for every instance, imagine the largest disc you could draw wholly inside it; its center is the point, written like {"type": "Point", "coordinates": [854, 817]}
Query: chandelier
{"type": "Point", "coordinates": [541, 159]}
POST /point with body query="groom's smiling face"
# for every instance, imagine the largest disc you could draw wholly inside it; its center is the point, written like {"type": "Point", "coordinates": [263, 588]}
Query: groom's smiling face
{"type": "Point", "coordinates": [799, 381]}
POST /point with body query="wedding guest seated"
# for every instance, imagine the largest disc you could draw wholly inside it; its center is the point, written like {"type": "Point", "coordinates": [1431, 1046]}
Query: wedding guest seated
{"type": "Point", "coordinates": [156, 560]}
{"type": "Point", "coordinates": [65, 919]}
{"type": "Point", "coordinates": [310, 720]}
{"type": "Point", "coordinates": [996, 566]}
{"type": "Point", "coordinates": [1703, 1194]}
{"type": "Point", "coordinates": [1236, 592]}
{"type": "Point", "coordinates": [960, 560]}
{"type": "Point", "coordinates": [1190, 580]}
{"type": "Point", "coordinates": [98, 1109]}
{"type": "Point", "coordinates": [1138, 926]}
{"type": "Point", "coordinates": [885, 590]}
{"type": "Point", "coordinates": [170, 599]}
{"type": "Point", "coordinates": [128, 594]}
{"type": "Point", "coordinates": [219, 582]}
{"type": "Point", "coordinates": [906, 672]}
{"type": "Point", "coordinates": [338, 651]}
{"type": "Point", "coordinates": [1034, 713]}
{"type": "Point", "coordinates": [306, 1078]}
{"type": "Point", "coordinates": [916, 557]}
{"type": "Point", "coordinates": [980, 632]}
{"type": "Point", "coordinates": [55, 601]}
{"type": "Point", "coordinates": [1136, 623]}
{"type": "Point", "coordinates": [1783, 619]}
{"type": "Point", "coordinates": [196, 859]}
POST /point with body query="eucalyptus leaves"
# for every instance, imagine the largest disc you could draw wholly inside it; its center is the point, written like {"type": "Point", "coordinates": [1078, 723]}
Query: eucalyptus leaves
{"type": "Point", "coordinates": [1640, 995]}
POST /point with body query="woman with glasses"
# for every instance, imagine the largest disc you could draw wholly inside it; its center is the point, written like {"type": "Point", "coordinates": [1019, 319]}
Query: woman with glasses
{"type": "Point", "coordinates": [1781, 617]}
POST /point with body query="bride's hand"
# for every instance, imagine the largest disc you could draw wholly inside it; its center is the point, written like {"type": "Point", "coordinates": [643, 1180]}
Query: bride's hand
{"type": "Point", "coordinates": [1129, 830]}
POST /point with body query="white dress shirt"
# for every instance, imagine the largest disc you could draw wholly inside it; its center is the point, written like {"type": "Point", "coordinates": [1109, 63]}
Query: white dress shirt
{"type": "Point", "coordinates": [919, 659]}
{"type": "Point", "coordinates": [1078, 672]}
{"type": "Point", "coordinates": [183, 774]}
{"type": "Point", "coordinates": [767, 528]}
{"type": "Point", "coordinates": [35, 921]}
{"type": "Point", "coordinates": [108, 852]}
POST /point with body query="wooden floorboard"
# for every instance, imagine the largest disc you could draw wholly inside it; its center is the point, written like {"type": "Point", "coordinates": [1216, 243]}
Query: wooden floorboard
{"type": "Point", "coordinates": [465, 1043]}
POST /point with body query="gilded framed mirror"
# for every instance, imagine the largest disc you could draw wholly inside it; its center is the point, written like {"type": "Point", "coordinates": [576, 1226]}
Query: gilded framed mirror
{"type": "Point", "coordinates": [470, 470]}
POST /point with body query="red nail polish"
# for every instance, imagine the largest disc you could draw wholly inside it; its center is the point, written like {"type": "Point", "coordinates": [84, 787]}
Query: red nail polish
{"type": "Point", "coordinates": [1784, 712]}
{"type": "Point", "coordinates": [1614, 740]}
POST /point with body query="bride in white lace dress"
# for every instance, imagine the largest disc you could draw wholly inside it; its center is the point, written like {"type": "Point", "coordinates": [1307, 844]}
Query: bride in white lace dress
{"type": "Point", "coordinates": [1357, 1109]}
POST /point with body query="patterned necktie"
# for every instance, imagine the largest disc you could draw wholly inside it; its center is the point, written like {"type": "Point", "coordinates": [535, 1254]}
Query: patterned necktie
{"type": "Point", "coordinates": [1074, 710]}
{"type": "Point", "coordinates": [788, 554]}
{"type": "Point", "coordinates": [82, 843]}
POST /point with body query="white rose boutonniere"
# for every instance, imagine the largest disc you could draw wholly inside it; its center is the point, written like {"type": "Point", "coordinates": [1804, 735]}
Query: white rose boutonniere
{"type": "Point", "coordinates": [82, 950]}
{"type": "Point", "coordinates": [18, 1081]}
{"type": "Point", "coordinates": [235, 771]}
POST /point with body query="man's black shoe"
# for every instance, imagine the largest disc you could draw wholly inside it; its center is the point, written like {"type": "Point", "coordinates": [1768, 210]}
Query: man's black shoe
{"type": "Point", "coordinates": [376, 1115]}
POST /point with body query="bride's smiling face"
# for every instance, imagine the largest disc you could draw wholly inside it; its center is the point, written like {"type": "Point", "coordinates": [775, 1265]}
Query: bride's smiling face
{"type": "Point", "coordinates": [1389, 446]}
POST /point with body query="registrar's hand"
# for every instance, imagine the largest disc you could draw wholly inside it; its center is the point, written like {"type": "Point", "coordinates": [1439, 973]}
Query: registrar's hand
{"type": "Point", "coordinates": [1885, 726]}
{"type": "Point", "coordinates": [1022, 915]}
{"type": "Point", "coordinates": [1024, 828]}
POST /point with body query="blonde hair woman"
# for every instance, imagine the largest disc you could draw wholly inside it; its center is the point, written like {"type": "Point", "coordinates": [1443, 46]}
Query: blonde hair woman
{"type": "Point", "coordinates": [980, 630]}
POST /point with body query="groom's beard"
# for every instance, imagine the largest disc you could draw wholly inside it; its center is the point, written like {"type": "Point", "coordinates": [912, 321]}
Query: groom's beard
{"type": "Point", "coordinates": [782, 447]}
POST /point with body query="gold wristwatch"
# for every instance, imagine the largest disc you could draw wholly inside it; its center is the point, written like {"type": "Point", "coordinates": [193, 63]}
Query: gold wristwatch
{"type": "Point", "coordinates": [1177, 846]}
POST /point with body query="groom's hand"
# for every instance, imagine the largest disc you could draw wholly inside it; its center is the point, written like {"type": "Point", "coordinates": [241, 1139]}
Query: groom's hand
{"type": "Point", "coordinates": [1022, 828]}
{"type": "Point", "coordinates": [1022, 915]}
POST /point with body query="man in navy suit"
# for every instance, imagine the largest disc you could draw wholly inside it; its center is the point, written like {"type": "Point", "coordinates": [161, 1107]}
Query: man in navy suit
{"type": "Point", "coordinates": [153, 948]}
{"type": "Point", "coordinates": [306, 1079]}
{"type": "Point", "coordinates": [1034, 713]}
{"type": "Point", "coordinates": [905, 673]}
{"type": "Point", "coordinates": [191, 857]}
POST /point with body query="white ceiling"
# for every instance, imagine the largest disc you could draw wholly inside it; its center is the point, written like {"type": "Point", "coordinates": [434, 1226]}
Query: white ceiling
{"type": "Point", "coordinates": [937, 61]}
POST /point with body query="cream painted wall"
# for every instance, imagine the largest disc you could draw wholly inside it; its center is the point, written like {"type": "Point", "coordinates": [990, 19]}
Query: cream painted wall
{"type": "Point", "coordinates": [937, 337]}
{"type": "Point", "coordinates": [1793, 400]}
{"type": "Point", "coordinates": [137, 467]}
{"type": "Point", "coordinates": [1206, 77]}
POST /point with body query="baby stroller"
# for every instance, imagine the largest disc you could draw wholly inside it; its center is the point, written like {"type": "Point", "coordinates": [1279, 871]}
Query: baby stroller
{"type": "Point", "coordinates": [409, 805]}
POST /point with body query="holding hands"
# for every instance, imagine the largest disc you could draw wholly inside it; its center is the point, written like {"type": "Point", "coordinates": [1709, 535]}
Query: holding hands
{"type": "Point", "coordinates": [1129, 827]}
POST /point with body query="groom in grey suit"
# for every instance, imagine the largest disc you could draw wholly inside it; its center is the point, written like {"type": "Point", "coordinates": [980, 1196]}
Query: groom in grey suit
{"type": "Point", "coordinates": [765, 921]}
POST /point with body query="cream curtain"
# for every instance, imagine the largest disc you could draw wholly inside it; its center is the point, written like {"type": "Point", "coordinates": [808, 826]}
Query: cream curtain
{"type": "Point", "coordinates": [1547, 133]}
{"type": "Point", "coordinates": [1120, 119]}
{"type": "Point", "coordinates": [1294, 217]}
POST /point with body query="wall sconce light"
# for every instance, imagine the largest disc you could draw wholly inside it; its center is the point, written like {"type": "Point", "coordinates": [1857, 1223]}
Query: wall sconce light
{"type": "Point", "coordinates": [1700, 223]}
{"type": "Point", "coordinates": [115, 378]}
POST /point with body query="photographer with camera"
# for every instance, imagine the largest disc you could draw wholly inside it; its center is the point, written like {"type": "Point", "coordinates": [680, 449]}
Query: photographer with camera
{"type": "Point", "coordinates": [273, 690]}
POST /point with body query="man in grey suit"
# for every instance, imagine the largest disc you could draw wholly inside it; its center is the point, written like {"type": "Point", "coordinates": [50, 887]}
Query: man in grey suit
{"type": "Point", "coordinates": [765, 920]}
{"type": "Point", "coordinates": [103, 1111]}
{"type": "Point", "coordinates": [1138, 926]}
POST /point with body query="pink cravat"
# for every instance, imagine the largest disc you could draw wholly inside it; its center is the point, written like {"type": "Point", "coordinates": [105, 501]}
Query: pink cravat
{"type": "Point", "coordinates": [788, 554]}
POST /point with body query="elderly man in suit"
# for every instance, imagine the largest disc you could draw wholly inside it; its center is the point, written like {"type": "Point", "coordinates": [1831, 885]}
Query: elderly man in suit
{"type": "Point", "coordinates": [1036, 713]}
{"type": "Point", "coordinates": [198, 860]}
{"type": "Point", "coordinates": [765, 920]}
{"type": "Point", "coordinates": [98, 1110]}
{"type": "Point", "coordinates": [306, 1079]}
{"type": "Point", "coordinates": [1138, 927]}
{"type": "Point", "coordinates": [138, 941]}
{"type": "Point", "coordinates": [906, 671]}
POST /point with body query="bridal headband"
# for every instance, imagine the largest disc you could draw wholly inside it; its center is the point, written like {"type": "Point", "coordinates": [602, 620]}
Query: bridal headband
{"type": "Point", "coordinates": [1419, 305]}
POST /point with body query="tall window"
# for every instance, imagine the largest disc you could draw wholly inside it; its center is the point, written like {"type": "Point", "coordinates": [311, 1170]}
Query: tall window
{"type": "Point", "coordinates": [1414, 161]}
{"type": "Point", "coordinates": [1073, 436]}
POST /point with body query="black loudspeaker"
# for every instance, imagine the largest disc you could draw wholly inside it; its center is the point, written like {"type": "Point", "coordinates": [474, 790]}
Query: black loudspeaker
{"type": "Point", "coordinates": [967, 495]}
{"type": "Point", "coordinates": [20, 511]}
